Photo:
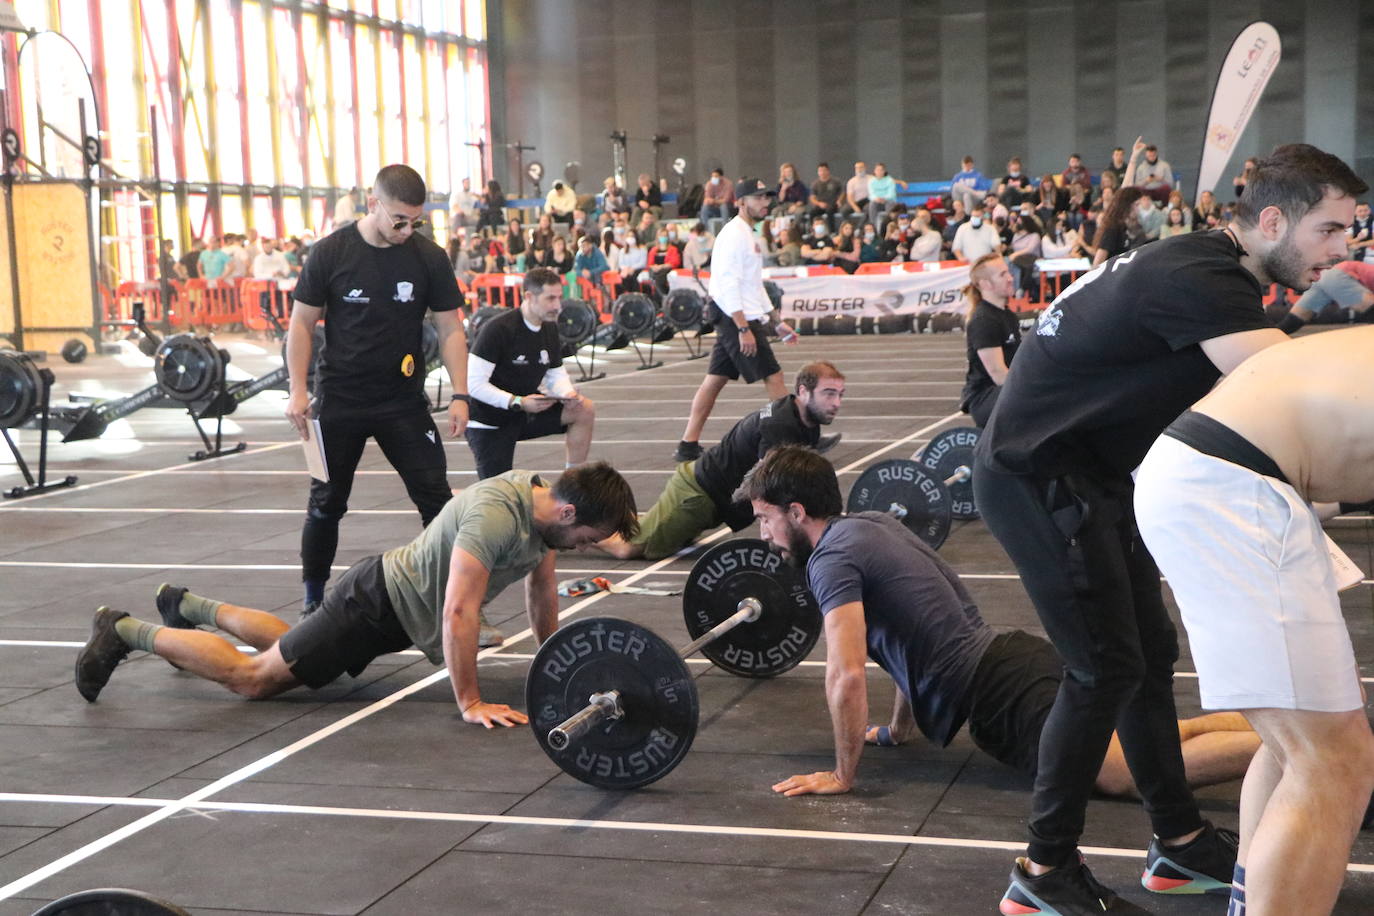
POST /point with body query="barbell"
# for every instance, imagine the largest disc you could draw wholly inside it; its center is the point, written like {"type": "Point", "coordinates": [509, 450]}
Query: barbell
{"type": "Point", "coordinates": [926, 492]}
{"type": "Point", "coordinates": [613, 704]}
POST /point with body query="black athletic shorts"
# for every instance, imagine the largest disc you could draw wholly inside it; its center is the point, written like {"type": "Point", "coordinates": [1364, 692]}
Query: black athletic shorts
{"type": "Point", "coordinates": [729, 362]}
{"type": "Point", "coordinates": [493, 450]}
{"type": "Point", "coordinates": [1014, 687]}
{"type": "Point", "coordinates": [354, 625]}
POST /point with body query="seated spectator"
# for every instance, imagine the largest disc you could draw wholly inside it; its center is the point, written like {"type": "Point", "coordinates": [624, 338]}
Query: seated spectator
{"type": "Point", "coordinates": [1206, 205]}
{"type": "Point", "coordinates": [1025, 251]}
{"type": "Point", "coordinates": [1174, 224]}
{"type": "Point", "coordinates": [460, 255]}
{"type": "Point", "coordinates": [696, 253]}
{"type": "Point", "coordinates": [718, 198]}
{"type": "Point", "coordinates": [1076, 174]}
{"type": "Point", "coordinates": [1119, 228]}
{"type": "Point", "coordinates": [1076, 206]}
{"type": "Point", "coordinates": [610, 248]}
{"type": "Point", "coordinates": [957, 217]}
{"type": "Point", "coordinates": [790, 252]}
{"type": "Point", "coordinates": [1015, 186]}
{"type": "Point", "coordinates": [1087, 233]}
{"type": "Point", "coordinates": [464, 206]}
{"type": "Point", "coordinates": [826, 194]}
{"type": "Point", "coordinates": [660, 260]}
{"type": "Point", "coordinates": [560, 203]}
{"type": "Point", "coordinates": [1118, 167]}
{"type": "Point", "coordinates": [515, 245]}
{"type": "Point", "coordinates": [847, 248]}
{"type": "Point", "coordinates": [767, 243]}
{"type": "Point", "coordinates": [856, 189]}
{"type": "Point", "coordinates": [590, 262]}
{"type": "Point", "coordinates": [882, 194]}
{"type": "Point", "coordinates": [633, 259]}
{"type": "Point", "coordinates": [894, 246]}
{"type": "Point", "coordinates": [648, 198]}
{"type": "Point", "coordinates": [1241, 180]}
{"type": "Point", "coordinates": [579, 224]}
{"type": "Point", "coordinates": [1176, 201]}
{"type": "Point", "coordinates": [493, 206]}
{"type": "Point", "coordinates": [673, 239]}
{"type": "Point", "coordinates": [559, 258]}
{"type": "Point", "coordinates": [1150, 217]}
{"type": "Point", "coordinates": [1154, 175]}
{"type": "Point", "coordinates": [646, 230]}
{"type": "Point", "coordinates": [818, 247]}
{"type": "Point", "coordinates": [1360, 234]}
{"type": "Point", "coordinates": [1108, 179]}
{"type": "Point", "coordinates": [870, 249]}
{"type": "Point", "coordinates": [613, 199]}
{"type": "Point", "coordinates": [495, 260]}
{"type": "Point", "coordinates": [1046, 198]}
{"type": "Point", "coordinates": [1057, 240]}
{"type": "Point", "coordinates": [541, 239]}
{"type": "Point", "coordinates": [995, 209]}
{"type": "Point", "coordinates": [976, 237]}
{"type": "Point", "coordinates": [792, 194]}
{"type": "Point", "coordinates": [968, 184]}
{"type": "Point", "coordinates": [925, 242]}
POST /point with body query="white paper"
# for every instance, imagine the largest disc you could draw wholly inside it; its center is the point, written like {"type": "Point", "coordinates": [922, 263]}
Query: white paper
{"type": "Point", "coordinates": [314, 453]}
{"type": "Point", "coordinates": [1348, 575]}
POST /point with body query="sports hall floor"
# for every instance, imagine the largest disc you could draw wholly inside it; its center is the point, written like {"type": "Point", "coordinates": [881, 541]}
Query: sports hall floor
{"type": "Point", "coordinates": [371, 796]}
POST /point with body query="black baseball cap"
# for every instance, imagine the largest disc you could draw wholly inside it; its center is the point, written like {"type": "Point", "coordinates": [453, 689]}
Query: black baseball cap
{"type": "Point", "coordinates": [749, 187]}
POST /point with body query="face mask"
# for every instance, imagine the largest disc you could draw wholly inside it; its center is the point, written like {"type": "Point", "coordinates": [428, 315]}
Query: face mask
{"type": "Point", "coordinates": [818, 231]}
{"type": "Point", "coordinates": [715, 179]}
{"type": "Point", "coordinates": [976, 222]}
{"type": "Point", "coordinates": [1014, 173]}
{"type": "Point", "coordinates": [663, 239]}
{"type": "Point", "coordinates": [868, 236]}
{"type": "Point", "coordinates": [579, 221]}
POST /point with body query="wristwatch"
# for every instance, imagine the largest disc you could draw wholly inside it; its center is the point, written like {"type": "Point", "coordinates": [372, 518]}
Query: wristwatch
{"type": "Point", "coordinates": [515, 402]}
{"type": "Point", "coordinates": [462, 397]}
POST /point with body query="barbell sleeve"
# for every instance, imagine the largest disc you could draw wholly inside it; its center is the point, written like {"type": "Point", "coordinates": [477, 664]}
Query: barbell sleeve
{"type": "Point", "coordinates": [961, 473]}
{"type": "Point", "coordinates": [747, 611]}
{"type": "Point", "coordinates": [600, 706]}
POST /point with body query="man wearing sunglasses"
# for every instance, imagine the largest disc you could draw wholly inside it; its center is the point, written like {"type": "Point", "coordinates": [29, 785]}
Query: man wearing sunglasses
{"type": "Point", "coordinates": [373, 282]}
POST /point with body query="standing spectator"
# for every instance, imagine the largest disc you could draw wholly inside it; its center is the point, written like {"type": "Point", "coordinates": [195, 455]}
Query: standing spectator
{"type": "Point", "coordinates": [271, 264]}
{"type": "Point", "coordinates": [882, 194]}
{"type": "Point", "coordinates": [520, 389]}
{"type": "Point", "coordinates": [925, 239]}
{"type": "Point", "coordinates": [1241, 180]}
{"type": "Point", "coordinates": [696, 253]}
{"type": "Point", "coordinates": [1076, 174]}
{"type": "Point", "coordinates": [234, 267]}
{"type": "Point", "coordinates": [190, 261]}
{"type": "Point", "coordinates": [1118, 166]}
{"type": "Point", "coordinates": [169, 269]}
{"type": "Point", "coordinates": [463, 209]}
{"type": "Point", "coordinates": [1361, 234]}
{"type": "Point", "coordinates": [648, 198]}
{"type": "Point", "coordinates": [718, 199]}
{"type": "Point", "coordinates": [560, 203]}
{"type": "Point", "coordinates": [213, 259]}
{"type": "Point", "coordinates": [1016, 185]}
{"type": "Point", "coordinates": [792, 195]}
{"type": "Point", "coordinates": [741, 347]}
{"type": "Point", "coordinates": [848, 251]}
{"type": "Point", "coordinates": [856, 189]}
{"type": "Point", "coordinates": [826, 194]}
{"type": "Point", "coordinates": [346, 209]}
{"type": "Point", "coordinates": [493, 206]}
{"type": "Point", "coordinates": [375, 280]}
{"type": "Point", "coordinates": [976, 238]}
{"type": "Point", "coordinates": [968, 184]}
{"type": "Point", "coordinates": [1154, 175]}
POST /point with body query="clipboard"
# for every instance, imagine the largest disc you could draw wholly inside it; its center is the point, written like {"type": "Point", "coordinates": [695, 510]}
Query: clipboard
{"type": "Point", "coordinates": [315, 461]}
{"type": "Point", "coordinates": [1348, 575]}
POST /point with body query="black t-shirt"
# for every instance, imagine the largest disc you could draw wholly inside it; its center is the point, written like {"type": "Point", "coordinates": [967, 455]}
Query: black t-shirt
{"type": "Point", "coordinates": [1114, 240]}
{"type": "Point", "coordinates": [988, 327]}
{"type": "Point", "coordinates": [521, 356]}
{"type": "Point", "coordinates": [191, 261]}
{"type": "Point", "coordinates": [827, 192]}
{"type": "Point", "coordinates": [818, 241]}
{"type": "Point", "coordinates": [721, 469]}
{"type": "Point", "coordinates": [1018, 188]}
{"type": "Point", "coordinates": [1116, 357]}
{"type": "Point", "coordinates": [374, 302]}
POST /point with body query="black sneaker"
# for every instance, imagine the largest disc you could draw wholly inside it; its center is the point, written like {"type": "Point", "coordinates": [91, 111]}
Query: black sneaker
{"type": "Point", "coordinates": [826, 443]}
{"type": "Point", "coordinates": [687, 451]}
{"type": "Point", "coordinates": [1204, 866]}
{"type": "Point", "coordinates": [309, 607]}
{"type": "Point", "coordinates": [100, 656]}
{"type": "Point", "coordinates": [169, 606]}
{"type": "Point", "coordinates": [1069, 890]}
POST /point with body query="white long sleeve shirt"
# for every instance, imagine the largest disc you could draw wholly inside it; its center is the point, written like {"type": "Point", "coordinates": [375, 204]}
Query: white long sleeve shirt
{"type": "Point", "coordinates": [737, 272]}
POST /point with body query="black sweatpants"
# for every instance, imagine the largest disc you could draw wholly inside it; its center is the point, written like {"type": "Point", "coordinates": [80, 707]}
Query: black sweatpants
{"type": "Point", "coordinates": [1097, 591]}
{"type": "Point", "coordinates": [409, 440]}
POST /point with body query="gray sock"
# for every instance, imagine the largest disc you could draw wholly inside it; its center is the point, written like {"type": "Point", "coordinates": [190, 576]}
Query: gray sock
{"type": "Point", "coordinates": [137, 634]}
{"type": "Point", "coordinates": [200, 610]}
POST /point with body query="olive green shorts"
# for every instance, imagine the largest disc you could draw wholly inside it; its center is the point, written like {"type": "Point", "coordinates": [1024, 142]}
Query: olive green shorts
{"type": "Point", "coordinates": [682, 512]}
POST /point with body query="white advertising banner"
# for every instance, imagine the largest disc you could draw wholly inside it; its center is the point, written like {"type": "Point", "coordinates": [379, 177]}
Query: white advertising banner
{"type": "Point", "coordinates": [865, 295]}
{"type": "Point", "coordinates": [1244, 74]}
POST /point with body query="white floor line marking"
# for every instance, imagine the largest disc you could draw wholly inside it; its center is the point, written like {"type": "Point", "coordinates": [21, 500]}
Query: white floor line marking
{"type": "Point", "coordinates": [905, 439]}
{"type": "Point", "coordinates": [139, 474]}
{"type": "Point", "coordinates": [833, 836]}
{"type": "Point", "coordinates": [263, 763]}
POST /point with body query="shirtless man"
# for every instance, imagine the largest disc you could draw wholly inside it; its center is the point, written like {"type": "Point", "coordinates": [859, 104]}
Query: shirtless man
{"type": "Point", "coordinates": [1223, 502]}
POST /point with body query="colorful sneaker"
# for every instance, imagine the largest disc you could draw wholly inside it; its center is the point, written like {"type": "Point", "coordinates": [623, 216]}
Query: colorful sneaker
{"type": "Point", "coordinates": [1070, 890]}
{"type": "Point", "coordinates": [687, 451]}
{"type": "Point", "coordinates": [100, 656]}
{"type": "Point", "coordinates": [169, 606]}
{"type": "Point", "coordinates": [1203, 866]}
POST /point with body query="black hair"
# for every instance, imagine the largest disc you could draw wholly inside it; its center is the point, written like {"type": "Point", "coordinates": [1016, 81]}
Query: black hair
{"type": "Point", "coordinates": [601, 497]}
{"type": "Point", "coordinates": [794, 474]}
{"type": "Point", "coordinates": [400, 183]}
{"type": "Point", "coordinates": [1294, 178]}
{"type": "Point", "coordinates": [535, 280]}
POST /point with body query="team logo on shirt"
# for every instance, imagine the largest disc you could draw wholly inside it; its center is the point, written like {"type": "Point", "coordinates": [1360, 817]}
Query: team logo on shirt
{"type": "Point", "coordinates": [520, 360]}
{"type": "Point", "coordinates": [543, 357]}
{"type": "Point", "coordinates": [408, 366]}
{"type": "Point", "coordinates": [1048, 323]}
{"type": "Point", "coordinates": [356, 295]}
{"type": "Point", "coordinates": [405, 291]}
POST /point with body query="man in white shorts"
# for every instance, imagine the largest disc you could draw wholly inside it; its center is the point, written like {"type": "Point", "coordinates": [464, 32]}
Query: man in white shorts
{"type": "Point", "coordinates": [1224, 503]}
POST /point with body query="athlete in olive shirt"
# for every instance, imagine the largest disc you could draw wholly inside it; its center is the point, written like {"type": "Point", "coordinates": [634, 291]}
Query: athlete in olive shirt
{"type": "Point", "coordinates": [427, 594]}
